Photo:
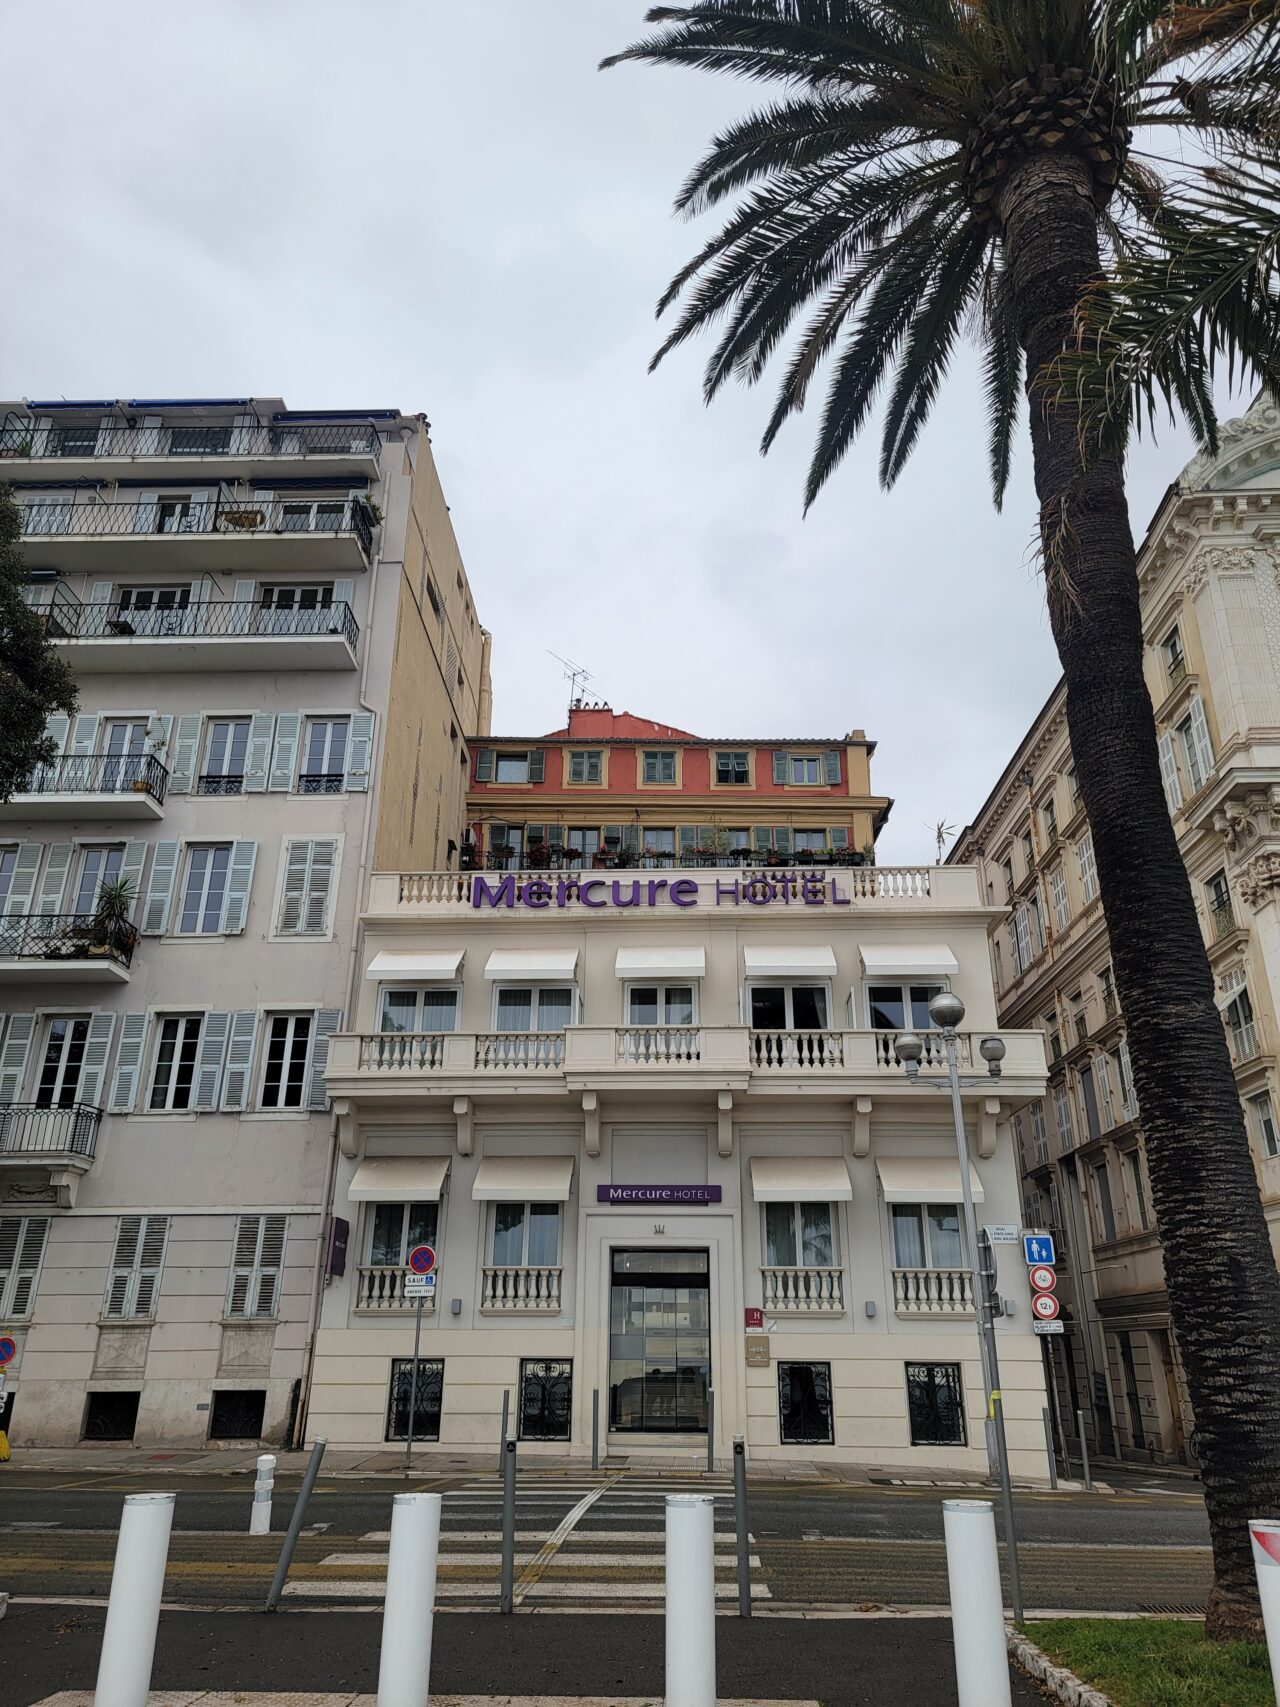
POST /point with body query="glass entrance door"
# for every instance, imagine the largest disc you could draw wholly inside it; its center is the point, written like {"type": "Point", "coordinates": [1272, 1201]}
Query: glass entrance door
{"type": "Point", "coordinates": [660, 1342]}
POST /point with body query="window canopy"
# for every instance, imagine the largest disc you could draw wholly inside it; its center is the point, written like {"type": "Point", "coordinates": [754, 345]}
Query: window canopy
{"type": "Point", "coordinates": [523, 1179]}
{"type": "Point", "coordinates": [661, 963]}
{"type": "Point", "coordinates": [800, 1179]}
{"type": "Point", "coordinates": [532, 963]}
{"type": "Point", "coordinates": [400, 1179]}
{"type": "Point", "coordinates": [924, 1179]}
{"type": "Point", "coordinates": [439, 968]}
{"type": "Point", "coordinates": [908, 960]}
{"type": "Point", "coordinates": [804, 961]}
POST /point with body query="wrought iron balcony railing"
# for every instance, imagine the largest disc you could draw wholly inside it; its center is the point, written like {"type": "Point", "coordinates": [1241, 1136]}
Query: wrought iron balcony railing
{"type": "Point", "coordinates": [65, 936]}
{"type": "Point", "coordinates": [1223, 916]}
{"type": "Point", "coordinates": [29, 1130]}
{"type": "Point", "coordinates": [50, 517]}
{"type": "Point", "coordinates": [100, 773]}
{"type": "Point", "coordinates": [200, 438]}
{"type": "Point", "coordinates": [199, 619]}
{"type": "Point", "coordinates": [636, 858]}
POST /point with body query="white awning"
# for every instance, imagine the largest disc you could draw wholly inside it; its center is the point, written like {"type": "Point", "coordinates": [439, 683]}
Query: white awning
{"type": "Point", "coordinates": [523, 1179]}
{"type": "Point", "coordinates": [908, 960]}
{"type": "Point", "coordinates": [532, 963]}
{"type": "Point", "coordinates": [803, 961]}
{"type": "Point", "coordinates": [400, 1179]}
{"type": "Point", "coordinates": [796, 1179]}
{"type": "Point", "coordinates": [437, 968]}
{"type": "Point", "coordinates": [661, 963]}
{"type": "Point", "coordinates": [924, 1179]}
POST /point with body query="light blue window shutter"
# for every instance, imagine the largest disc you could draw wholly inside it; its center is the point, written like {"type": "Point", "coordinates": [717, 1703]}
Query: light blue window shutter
{"type": "Point", "coordinates": [779, 767]}
{"type": "Point", "coordinates": [782, 839]}
{"type": "Point", "coordinates": [484, 764]}
{"type": "Point", "coordinates": [97, 1046]}
{"type": "Point", "coordinates": [839, 837]}
{"type": "Point", "coordinates": [1169, 773]}
{"type": "Point", "coordinates": [164, 871]}
{"type": "Point", "coordinates": [284, 757]}
{"type": "Point", "coordinates": [131, 864]}
{"type": "Point", "coordinates": [327, 1022]}
{"type": "Point", "coordinates": [13, 1057]}
{"type": "Point", "coordinates": [258, 763]}
{"type": "Point", "coordinates": [53, 885]}
{"type": "Point", "coordinates": [84, 734]}
{"type": "Point", "coordinates": [688, 835]}
{"type": "Point", "coordinates": [235, 1080]}
{"type": "Point", "coordinates": [213, 1043]}
{"type": "Point", "coordinates": [22, 886]}
{"type": "Point", "coordinates": [55, 730]}
{"type": "Point", "coordinates": [186, 747]}
{"type": "Point", "coordinates": [124, 1086]}
{"type": "Point", "coordinates": [359, 752]}
{"type": "Point", "coordinates": [235, 907]}
{"type": "Point", "coordinates": [831, 767]}
{"type": "Point", "coordinates": [761, 838]}
{"type": "Point", "coordinates": [344, 593]}
{"type": "Point", "coordinates": [1200, 735]}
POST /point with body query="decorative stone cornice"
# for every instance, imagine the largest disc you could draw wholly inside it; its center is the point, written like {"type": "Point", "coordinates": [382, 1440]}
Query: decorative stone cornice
{"type": "Point", "coordinates": [1260, 879]}
{"type": "Point", "coordinates": [1243, 822]}
{"type": "Point", "coordinates": [1245, 438]}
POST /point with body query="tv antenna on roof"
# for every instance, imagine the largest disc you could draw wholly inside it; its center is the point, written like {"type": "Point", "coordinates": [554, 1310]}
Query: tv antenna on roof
{"type": "Point", "coordinates": [577, 675]}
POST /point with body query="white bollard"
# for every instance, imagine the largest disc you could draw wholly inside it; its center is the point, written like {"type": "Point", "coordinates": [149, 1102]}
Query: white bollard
{"type": "Point", "coordinates": [133, 1610]}
{"type": "Point", "coordinates": [404, 1667]}
{"type": "Point", "coordinates": [691, 1601]}
{"type": "Point", "coordinates": [1265, 1536]}
{"type": "Point", "coordinates": [260, 1510]}
{"type": "Point", "coordinates": [977, 1603]}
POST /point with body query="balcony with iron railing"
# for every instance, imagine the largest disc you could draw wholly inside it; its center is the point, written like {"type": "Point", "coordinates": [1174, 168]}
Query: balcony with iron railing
{"type": "Point", "coordinates": [92, 785]}
{"type": "Point", "coordinates": [1222, 921]}
{"type": "Point", "coordinates": [211, 634]}
{"type": "Point", "coordinates": [317, 534]}
{"type": "Point", "coordinates": [65, 948]}
{"type": "Point", "coordinates": [200, 448]}
{"type": "Point", "coordinates": [30, 1132]}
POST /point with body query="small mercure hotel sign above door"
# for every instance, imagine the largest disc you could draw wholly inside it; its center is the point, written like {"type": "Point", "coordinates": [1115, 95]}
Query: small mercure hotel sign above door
{"type": "Point", "coordinates": [790, 888]}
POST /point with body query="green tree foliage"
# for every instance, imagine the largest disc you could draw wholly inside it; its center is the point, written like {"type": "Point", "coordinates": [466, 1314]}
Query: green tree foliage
{"type": "Point", "coordinates": [34, 680]}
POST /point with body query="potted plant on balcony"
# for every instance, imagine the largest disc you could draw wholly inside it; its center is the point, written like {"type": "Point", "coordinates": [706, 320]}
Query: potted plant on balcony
{"type": "Point", "coordinates": [141, 783]}
{"type": "Point", "coordinates": [113, 930]}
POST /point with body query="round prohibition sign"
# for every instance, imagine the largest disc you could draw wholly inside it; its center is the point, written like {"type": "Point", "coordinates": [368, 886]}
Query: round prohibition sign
{"type": "Point", "coordinates": [1043, 1279]}
{"type": "Point", "coordinates": [8, 1350]}
{"type": "Point", "coordinates": [1044, 1307]}
{"type": "Point", "coordinates": [422, 1259]}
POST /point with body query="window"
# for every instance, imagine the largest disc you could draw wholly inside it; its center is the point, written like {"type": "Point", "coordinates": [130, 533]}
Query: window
{"type": "Point", "coordinates": [810, 841]}
{"type": "Point", "coordinates": [397, 1228]}
{"type": "Point", "coordinates": [326, 515]}
{"type": "Point", "coordinates": [1264, 1120]}
{"type": "Point", "coordinates": [1222, 918]}
{"type": "Point", "coordinates": [123, 744]}
{"type": "Point", "coordinates": [1036, 917]}
{"type": "Point", "coordinates": [804, 769]}
{"type": "Point", "coordinates": [205, 892]}
{"type": "Point", "coordinates": [926, 1235]}
{"type": "Point", "coordinates": [238, 1413]}
{"type": "Point", "coordinates": [224, 761]}
{"type": "Point", "coordinates": [798, 1235]}
{"type": "Point", "coordinates": [658, 843]}
{"type": "Point", "coordinates": [517, 767]}
{"type": "Point", "coordinates": [294, 609]}
{"type": "Point", "coordinates": [1088, 870]}
{"type": "Point", "coordinates": [1102, 1063]}
{"type": "Point", "coordinates": [1062, 1117]}
{"type": "Point", "coordinates": [1240, 1022]}
{"type": "Point", "coordinates": [324, 755]}
{"type": "Point", "coordinates": [1128, 1096]}
{"type": "Point", "coordinates": [1133, 1159]}
{"type": "Point", "coordinates": [1058, 897]}
{"type": "Point", "coordinates": [284, 1075]}
{"type": "Point", "coordinates": [1039, 1135]}
{"type": "Point", "coordinates": [175, 1062]}
{"type": "Point", "coordinates": [425, 1401]}
{"type": "Point", "coordinates": [433, 599]}
{"type": "Point", "coordinates": [935, 1404]}
{"type": "Point", "coordinates": [1089, 1097]}
{"type": "Point", "coordinates": [733, 768]}
{"type": "Point", "coordinates": [1054, 1033]}
{"type": "Point", "coordinates": [660, 766]}
{"type": "Point", "coordinates": [1107, 991]}
{"type": "Point", "coordinates": [1028, 851]}
{"type": "Point", "coordinates": [547, 1007]}
{"type": "Point", "coordinates": [1175, 662]}
{"type": "Point", "coordinates": [22, 1242]}
{"type": "Point", "coordinates": [304, 892]}
{"type": "Point", "coordinates": [660, 1004]}
{"type": "Point", "coordinates": [901, 1007]}
{"type": "Point", "coordinates": [256, 1262]}
{"type": "Point", "coordinates": [1021, 935]}
{"type": "Point", "coordinates": [151, 610]}
{"type": "Point", "coordinates": [1103, 1206]}
{"type": "Point", "coordinates": [1006, 871]}
{"type": "Point", "coordinates": [789, 1007]}
{"type": "Point", "coordinates": [526, 1235]}
{"type": "Point", "coordinates": [1049, 818]}
{"type": "Point", "coordinates": [805, 1412]}
{"type": "Point", "coordinates": [546, 1399]}
{"type": "Point", "coordinates": [63, 1062]}
{"type": "Point", "coordinates": [1197, 750]}
{"type": "Point", "coordinates": [173, 514]}
{"type": "Point", "coordinates": [136, 1263]}
{"type": "Point", "coordinates": [434, 1008]}
{"type": "Point", "coordinates": [98, 867]}
{"type": "Point", "coordinates": [584, 767]}
{"type": "Point", "coordinates": [8, 859]}
{"type": "Point", "coordinates": [1077, 799]}
{"type": "Point", "coordinates": [110, 1416]}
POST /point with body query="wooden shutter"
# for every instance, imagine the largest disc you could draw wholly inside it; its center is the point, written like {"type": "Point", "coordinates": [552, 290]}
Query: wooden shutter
{"type": "Point", "coordinates": [93, 1068]}
{"type": "Point", "coordinates": [359, 752]}
{"type": "Point", "coordinates": [258, 760]}
{"type": "Point", "coordinates": [235, 906]}
{"type": "Point", "coordinates": [150, 1262]}
{"type": "Point", "coordinates": [831, 767]}
{"type": "Point", "coordinates": [782, 838]}
{"type": "Point", "coordinates": [244, 1261]}
{"type": "Point", "coordinates": [53, 885]}
{"type": "Point", "coordinates": [56, 728]}
{"type": "Point", "coordinates": [164, 872]}
{"type": "Point", "coordinates": [1200, 736]}
{"type": "Point", "coordinates": [84, 733]}
{"type": "Point", "coordinates": [131, 869]}
{"type": "Point", "coordinates": [780, 767]}
{"type": "Point", "coordinates": [22, 1242]}
{"type": "Point", "coordinates": [256, 1264]}
{"type": "Point", "coordinates": [308, 878]}
{"type": "Point", "coordinates": [209, 1057]}
{"type": "Point", "coordinates": [761, 838]}
{"type": "Point", "coordinates": [537, 765]}
{"type": "Point", "coordinates": [22, 885]}
{"type": "Point", "coordinates": [284, 755]}
{"type": "Point", "coordinates": [124, 1086]}
{"type": "Point", "coordinates": [13, 1057]}
{"type": "Point", "coordinates": [687, 837]}
{"type": "Point", "coordinates": [1169, 773]}
{"type": "Point", "coordinates": [235, 1078]}
{"type": "Point", "coordinates": [186, 749]}
{"type": "Point", "coordinates": [327, 1022]}
{"type": "Point", "coordinates": [120, 1280]}
{"type": "Point", "coordinates": [484, 764]}
{"type": "Point", "coordinates": [631, 840]}
{"type": "Point", "coordinates": [839, 837]}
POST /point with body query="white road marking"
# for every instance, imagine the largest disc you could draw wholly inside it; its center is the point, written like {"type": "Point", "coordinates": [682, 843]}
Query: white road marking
{"type": "Point", "coordinates": [376, 1589]}
{"type": "Point", "coordinates": [566, 1556]}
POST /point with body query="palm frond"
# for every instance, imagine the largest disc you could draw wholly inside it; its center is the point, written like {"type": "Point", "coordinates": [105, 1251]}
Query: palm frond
{"type": "Point", "coordinates": [1001, 375]}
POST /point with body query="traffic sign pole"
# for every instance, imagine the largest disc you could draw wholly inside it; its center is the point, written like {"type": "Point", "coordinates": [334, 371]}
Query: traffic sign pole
{"type": "Point", "coordinates": [413, 1386]}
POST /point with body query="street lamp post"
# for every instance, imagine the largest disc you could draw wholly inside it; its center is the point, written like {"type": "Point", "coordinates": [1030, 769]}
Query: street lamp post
{"type": "Point", "coordinates": [946, 1011]}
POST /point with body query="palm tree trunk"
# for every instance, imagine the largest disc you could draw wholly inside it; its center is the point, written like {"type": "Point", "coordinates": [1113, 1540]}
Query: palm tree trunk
{"type": "Point", "coordinates": [1224, 1289]}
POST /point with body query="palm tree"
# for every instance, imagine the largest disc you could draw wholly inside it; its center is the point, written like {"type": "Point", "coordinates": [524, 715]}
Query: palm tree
{"type": "Point", "coordinates": [940, 166]}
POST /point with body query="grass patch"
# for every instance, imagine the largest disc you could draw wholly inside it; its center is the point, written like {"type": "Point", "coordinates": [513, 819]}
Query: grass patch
{"type": "Point", "coordinates": [1157, 1662]}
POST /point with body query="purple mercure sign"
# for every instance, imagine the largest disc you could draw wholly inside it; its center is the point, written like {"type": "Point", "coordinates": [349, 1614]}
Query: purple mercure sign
{"type": "Point", "coordinates": [669, 1194]}
{"type": "Point", "coordinates": [803, 888]}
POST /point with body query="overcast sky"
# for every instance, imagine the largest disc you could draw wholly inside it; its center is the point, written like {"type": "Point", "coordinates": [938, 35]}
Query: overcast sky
{"type": "Point", "coordinates": [446, 208]}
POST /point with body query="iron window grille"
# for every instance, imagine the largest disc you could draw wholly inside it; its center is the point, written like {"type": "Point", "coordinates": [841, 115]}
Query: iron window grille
{"type": "Point", "coordinates": [426, 1401]}
{"type": "Point", "coordinates": [546, 1399]}
{"type": "Point", "coordinates": [935, 1404]}
{"type": "Point", "coordinates": [805, 1414]}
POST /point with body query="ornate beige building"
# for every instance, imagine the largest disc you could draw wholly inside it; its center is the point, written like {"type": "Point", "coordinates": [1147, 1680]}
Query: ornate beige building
{"type": "Point", "coordinates": [1210, 574]}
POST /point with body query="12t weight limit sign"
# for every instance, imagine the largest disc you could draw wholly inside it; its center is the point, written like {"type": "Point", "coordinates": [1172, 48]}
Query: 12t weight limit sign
{"type": "Point", "coordinates": [1044, 1307]}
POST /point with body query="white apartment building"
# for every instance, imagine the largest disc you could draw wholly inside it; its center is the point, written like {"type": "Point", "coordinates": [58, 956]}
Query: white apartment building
{"type": "Point", "coordinates": [1210, 584]}
{"type": "Point", "coordinates": [279, 665]}
{"type": "Point", "coordinates": [653, 1125]}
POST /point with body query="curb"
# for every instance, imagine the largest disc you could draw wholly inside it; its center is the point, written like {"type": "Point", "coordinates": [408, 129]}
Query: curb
{"type": "Point", "coordinates": [1057, 1682]}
